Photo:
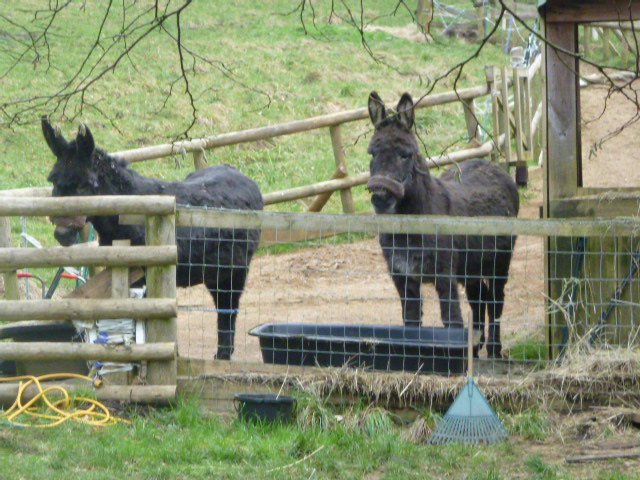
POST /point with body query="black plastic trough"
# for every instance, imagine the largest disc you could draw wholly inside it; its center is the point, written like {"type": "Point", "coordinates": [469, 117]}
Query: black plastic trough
{"type": "Point", "coordinates": [266, 407]}
{"type": "Point", "coordinates": [411, 349]}
{"type": "Point", "coordinates": [41, 331]}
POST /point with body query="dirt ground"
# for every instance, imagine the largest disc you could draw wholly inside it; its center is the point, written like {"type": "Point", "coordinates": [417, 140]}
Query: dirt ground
{"type": "Point", "coordinates": [349, 283]}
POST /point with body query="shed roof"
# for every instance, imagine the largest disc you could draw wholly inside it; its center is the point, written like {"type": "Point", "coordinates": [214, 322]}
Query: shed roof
{"type": "Point", "coordinates": [585, 11]}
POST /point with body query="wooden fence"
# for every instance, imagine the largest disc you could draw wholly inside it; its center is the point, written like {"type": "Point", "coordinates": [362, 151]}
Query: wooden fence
{"type": "Point", "coordinates": [616, 39]}
{"type": "Point", "coordinates": [159, 309]}
{"type": "Point", "coordinates": [516, 114]}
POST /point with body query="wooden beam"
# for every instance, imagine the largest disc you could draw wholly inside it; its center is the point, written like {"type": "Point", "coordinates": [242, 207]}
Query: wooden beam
{"type": "Point", "coordinates": [252, 135]}
{"type": "Point", "coordinates": [14, 258]}
{"type": "Point", "coordinates": [422, 224]}
{"type": "Point", "coordinates": [156, 394]}
{"type": "Point", "coordinates": [562, 114]}
{"type": "Point", "coordinates": [93, 205]}
{"type": "Point", "coordinates": [161, 282]}
{"type": "Point", "coordinates": [585, 11]}
{"type": "Point", "coordinates": [82, 309]}
{"type": "Point", "coordinates": [35, 351]}
{"type": "Point", "coordinates": [608, 205]}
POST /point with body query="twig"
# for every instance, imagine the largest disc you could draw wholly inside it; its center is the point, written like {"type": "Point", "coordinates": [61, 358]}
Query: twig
{"type": "Point", "coordinates": [306, 457]}
{"type": "Point", "coordinates": [602, 456]}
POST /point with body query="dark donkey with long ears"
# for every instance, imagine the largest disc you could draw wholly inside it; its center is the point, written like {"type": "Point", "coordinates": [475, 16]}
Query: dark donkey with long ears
{"type": "Point", "coordinates": [219, 258]}
{"type": "Point", "coordinates": [401, 184]}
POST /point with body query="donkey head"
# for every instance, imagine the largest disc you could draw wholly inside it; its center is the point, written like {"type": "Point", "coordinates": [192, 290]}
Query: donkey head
{"type": "Point", "coordinates": [71, 175]}
{"type": "Point", "coordinates": [394, 152]}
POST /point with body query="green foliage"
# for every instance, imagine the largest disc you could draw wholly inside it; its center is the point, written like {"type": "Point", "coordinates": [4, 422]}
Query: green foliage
{"type": "Point", "coordinates": [540, 469]}
{"type": "Point", "coordinates": [530, 351]}
{"type": "Point", "coordinates": [531, 424]}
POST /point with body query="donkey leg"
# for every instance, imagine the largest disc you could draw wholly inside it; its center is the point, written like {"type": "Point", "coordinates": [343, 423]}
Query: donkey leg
{"type": "Point", "coordinates": [226, 296]}
{"type": "Point", "coordinates": [447, 288]}
{"type": "Point", "coordinates": [410, 298]}
{"type": "Point", "coordinates": [496, 304]}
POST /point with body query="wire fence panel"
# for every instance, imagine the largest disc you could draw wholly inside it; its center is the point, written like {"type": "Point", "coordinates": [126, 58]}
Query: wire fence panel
{"type": "Point", "coordinates": [315, 298]}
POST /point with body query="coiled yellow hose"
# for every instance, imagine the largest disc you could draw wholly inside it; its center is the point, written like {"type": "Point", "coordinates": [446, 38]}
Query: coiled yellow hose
{"type": "Point", "coordinates": [59, 411]}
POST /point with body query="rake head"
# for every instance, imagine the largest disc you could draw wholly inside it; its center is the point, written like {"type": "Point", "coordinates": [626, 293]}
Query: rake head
{"type": "Point", "coordinates": [470, 420]}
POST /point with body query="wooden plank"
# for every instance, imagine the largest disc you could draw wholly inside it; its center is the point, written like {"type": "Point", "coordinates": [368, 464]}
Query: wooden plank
{"type": "Point", "coordinates": [608, 205]}
{"type": "Point", "coordinates": [161, 282]}
{"type": "Point", "coordinates": [99, 286]}
{"type": "Point", "coordinates": [116, 256]}
{"type": "Point", "coordinates": [90, 205]}
{"type": "Point", "coordinates": [35, 351]}
{"type": "Point", "coordinates": [85, 309]}
{"type": "Point", "coordinates": [591, 11]}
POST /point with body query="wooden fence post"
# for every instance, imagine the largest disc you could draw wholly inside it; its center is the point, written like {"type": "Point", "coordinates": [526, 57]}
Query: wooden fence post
{"type": "Point", "coordinates": [490, 73]}
{"type": "Point", "coordinates": [423, 13]}
{"type": "Point", "coordinates": [473, 132]}
{"type": "Point", "coordinates": [606, 39]}
{"type": "Point", "coordinates": [321, 199]}
{"type": "Point", "coordinates": [11, 290]}
{"type": "Point", "coordinates": [341, 163]}
{"type": "Point", "coordinates": [522, 173]}
{"type": "Point", "coordinates": [199, 159]}
{"type": "Point", "coordinates": [120, 289]}
{"type": "Point", "coordinates": [161, 283]}
{"type": "Point", "coordinates": [505, 127]}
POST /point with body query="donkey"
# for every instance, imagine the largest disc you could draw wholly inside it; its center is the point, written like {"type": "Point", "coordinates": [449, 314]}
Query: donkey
{"type": "Point", "coordinates": [219, 258]}
{"type": "Point", "coordinates": [400, 183]}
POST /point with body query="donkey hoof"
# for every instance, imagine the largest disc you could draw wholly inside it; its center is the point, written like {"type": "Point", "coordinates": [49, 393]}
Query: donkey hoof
{"type": "Point", "coordinates": [223, 354]}
{"type": "Point", "coordinates": [494, 351]}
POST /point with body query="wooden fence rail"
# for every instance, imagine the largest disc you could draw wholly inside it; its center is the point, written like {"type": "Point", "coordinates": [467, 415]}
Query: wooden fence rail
{"type": "Point", "coordinates": [159, 309]}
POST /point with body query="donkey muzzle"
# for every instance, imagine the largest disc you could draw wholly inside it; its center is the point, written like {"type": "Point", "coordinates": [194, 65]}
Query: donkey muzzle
{"type": "Point", "coordinates": [380, 182]}
{"type": "Point", "coordinates": [67, 229]}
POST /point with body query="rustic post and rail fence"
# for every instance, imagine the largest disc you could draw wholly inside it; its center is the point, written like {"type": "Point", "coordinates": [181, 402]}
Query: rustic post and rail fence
{"type": "Point", "coordinates": [516, 113]}
{"type": "Point", "coordinates": [159, 309]}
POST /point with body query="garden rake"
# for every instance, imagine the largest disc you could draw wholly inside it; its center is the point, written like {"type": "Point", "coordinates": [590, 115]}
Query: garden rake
{"type": "Point", "coordinates": [470, 419]}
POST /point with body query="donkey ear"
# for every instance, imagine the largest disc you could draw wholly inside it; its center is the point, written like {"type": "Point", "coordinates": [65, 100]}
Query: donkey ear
{"type": "Point", "coordinates": [406, 115]}
{"type": "Point", "coordinates": [84, 141]}
{"type": "Point", "coordinates": [54, 138]}
{"type": "Point", "coordinates": [377, 110]}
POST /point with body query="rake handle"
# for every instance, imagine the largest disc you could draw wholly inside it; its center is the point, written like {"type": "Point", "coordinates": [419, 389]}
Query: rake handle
{"type": "Point", "coordinates": [470, 347]}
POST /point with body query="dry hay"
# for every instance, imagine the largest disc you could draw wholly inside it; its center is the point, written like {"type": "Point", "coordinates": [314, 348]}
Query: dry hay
{"type": "Point", "coordinates": [409, 32]}
{"type": "Point", "coordinates": [585, 379]}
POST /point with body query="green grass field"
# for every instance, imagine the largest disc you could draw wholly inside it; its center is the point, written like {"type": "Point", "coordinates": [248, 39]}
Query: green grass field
{"type": "Point", "coordinates": [260, 55]}
{"type": "Point", "coordinates": [186, 442]}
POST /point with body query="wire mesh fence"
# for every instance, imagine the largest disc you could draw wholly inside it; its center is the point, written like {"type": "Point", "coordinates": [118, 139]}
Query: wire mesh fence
{"type": "Point", "coordinates": [320, 291]}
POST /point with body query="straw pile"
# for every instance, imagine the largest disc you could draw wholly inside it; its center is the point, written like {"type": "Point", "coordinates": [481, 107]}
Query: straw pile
{"type": "Point", "coordinates": [587, 378]}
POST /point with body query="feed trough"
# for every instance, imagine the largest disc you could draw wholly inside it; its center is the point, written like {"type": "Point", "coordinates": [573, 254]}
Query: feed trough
{"type": "Point", "coordinates": [265, 407]}
{"type": "Point", "coordinates": [412, 349]}
{"type": "Point", "coordinates": [40, 331]}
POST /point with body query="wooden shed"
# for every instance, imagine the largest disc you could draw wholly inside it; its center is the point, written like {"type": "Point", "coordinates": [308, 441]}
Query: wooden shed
{"type": "Point", "coordinates": [585, 275]}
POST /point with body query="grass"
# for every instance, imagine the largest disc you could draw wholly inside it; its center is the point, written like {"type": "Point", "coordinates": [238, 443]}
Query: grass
{"type": "Point", "coordinates": [188, 443]}
{"type": "Point", "coordinates": [291, 75]}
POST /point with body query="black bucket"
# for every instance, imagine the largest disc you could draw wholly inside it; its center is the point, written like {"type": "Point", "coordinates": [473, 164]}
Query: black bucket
{"type": "Point", "coordinates": [265, 407]}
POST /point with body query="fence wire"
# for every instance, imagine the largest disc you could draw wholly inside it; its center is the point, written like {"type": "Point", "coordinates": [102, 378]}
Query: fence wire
{"type": "Point", "coordinates": [315, 298]}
